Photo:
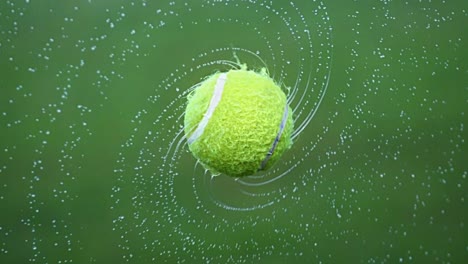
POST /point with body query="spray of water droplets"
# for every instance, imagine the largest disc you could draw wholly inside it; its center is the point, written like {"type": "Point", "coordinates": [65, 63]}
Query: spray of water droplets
{"type": "Point", "coordinates": [94, 166]}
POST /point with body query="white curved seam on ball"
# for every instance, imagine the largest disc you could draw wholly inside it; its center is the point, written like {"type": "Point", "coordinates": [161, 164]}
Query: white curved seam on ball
{"type": "Point", "coordinates": [277, 138]}
{"type": "Point", "coordinates": [217, 93]}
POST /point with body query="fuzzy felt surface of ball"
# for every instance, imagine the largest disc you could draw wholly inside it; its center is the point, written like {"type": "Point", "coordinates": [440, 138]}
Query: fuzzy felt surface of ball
{"type": "Point", "coordinates": [238, 122]}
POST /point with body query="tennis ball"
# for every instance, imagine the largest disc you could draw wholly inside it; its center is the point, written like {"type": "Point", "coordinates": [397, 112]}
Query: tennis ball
{"type": "Point", "coordinates": [238, 122]}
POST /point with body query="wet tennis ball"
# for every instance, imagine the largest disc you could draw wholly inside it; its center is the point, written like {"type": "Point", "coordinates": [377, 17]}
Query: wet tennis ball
{"type": "Point", "coordinates": [238, 122]}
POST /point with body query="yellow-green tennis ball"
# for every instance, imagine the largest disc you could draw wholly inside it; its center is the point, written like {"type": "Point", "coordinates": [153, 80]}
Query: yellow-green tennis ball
{"type": "Point", "coordinates": [238, 123]}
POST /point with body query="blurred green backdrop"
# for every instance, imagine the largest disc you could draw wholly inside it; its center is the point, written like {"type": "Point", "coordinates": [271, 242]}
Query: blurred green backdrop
{"type": "Point", "coordinates": [93, 168]}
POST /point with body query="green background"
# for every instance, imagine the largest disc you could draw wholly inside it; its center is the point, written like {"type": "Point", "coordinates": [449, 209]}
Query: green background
{"type": "Point", "coordinates": [94, 168]}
